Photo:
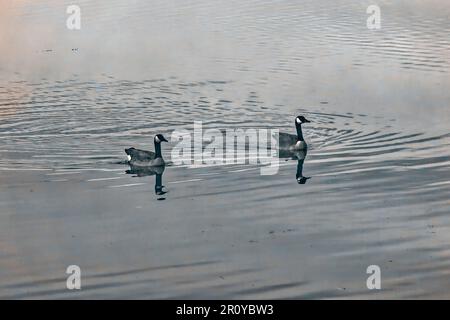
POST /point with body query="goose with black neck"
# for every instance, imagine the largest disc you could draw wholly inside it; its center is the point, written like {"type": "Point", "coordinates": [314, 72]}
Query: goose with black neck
{"type": "Point", "coordinates": [291, 142]}
{"type": "Point", "coordinates": [138, 157]}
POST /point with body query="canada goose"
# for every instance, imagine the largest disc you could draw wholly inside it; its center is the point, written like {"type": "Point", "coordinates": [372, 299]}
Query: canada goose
{"type": "Point", "coordinates": [293, 142]}
{"type": "Point", "coordinates": [137, 157]}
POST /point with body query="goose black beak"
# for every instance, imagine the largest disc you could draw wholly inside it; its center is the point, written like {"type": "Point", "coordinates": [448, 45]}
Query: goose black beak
{"type": "Point", "coordinates": [164, 139]}
{"type": "Point", "coordinates": [307, 121]}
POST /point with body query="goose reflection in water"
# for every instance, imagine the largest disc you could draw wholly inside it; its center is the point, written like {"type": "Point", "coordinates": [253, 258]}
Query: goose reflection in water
{"type": "Point", "coordinates": [300, 156]}
{"type": "Point", "coordinates": [142, 171]}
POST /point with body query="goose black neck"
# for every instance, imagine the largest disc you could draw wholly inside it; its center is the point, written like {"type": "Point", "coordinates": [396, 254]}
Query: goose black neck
{"type": "Point", "coordinates": [158, 149]}
{"type": "Point", "coordinates": [298, 126]}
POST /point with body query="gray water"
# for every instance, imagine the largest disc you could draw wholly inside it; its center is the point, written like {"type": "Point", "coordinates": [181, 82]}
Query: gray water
{"type": "Point", "coordinates": [378, 162]}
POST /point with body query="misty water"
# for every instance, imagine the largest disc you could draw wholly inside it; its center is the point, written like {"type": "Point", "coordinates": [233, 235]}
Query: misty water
{"type": "Point", "coordinates": [378, 159]}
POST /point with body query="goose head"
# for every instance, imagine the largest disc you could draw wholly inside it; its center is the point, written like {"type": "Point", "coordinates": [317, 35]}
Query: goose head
{"type": "Point", "coordinates": [160, 138]}
{"type": "Point", "coordinates": [301, 120]}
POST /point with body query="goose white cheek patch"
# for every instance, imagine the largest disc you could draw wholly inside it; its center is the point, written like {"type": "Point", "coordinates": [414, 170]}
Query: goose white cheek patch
{"type": "Point", "coordinates": [298, 120]}
{"type": "Point", "coordinates": [157, 139]}
{"type": "Point", "coordinates": [128, 157]}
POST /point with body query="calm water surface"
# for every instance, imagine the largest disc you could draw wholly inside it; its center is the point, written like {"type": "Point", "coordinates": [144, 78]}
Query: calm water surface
{"type": "Point", "coordinates": [379, 187]}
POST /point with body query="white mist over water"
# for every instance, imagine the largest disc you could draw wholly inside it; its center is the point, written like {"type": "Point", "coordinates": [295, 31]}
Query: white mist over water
{"type": "Point", "coordinates": [299, 53]}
